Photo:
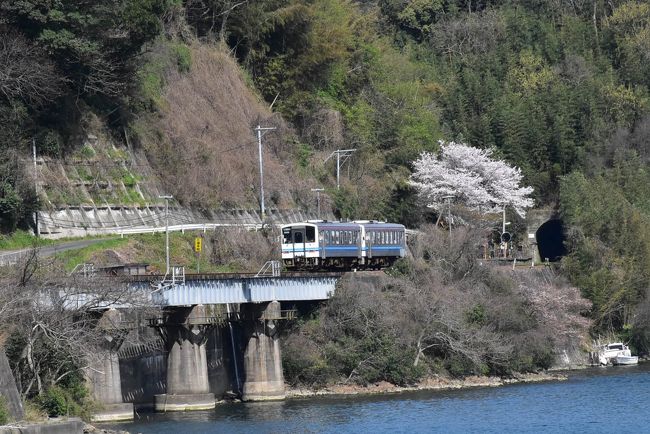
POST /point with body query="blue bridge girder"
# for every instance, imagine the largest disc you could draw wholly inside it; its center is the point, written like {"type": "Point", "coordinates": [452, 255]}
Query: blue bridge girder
{"type": "Point", "coordinates": [215, 289]}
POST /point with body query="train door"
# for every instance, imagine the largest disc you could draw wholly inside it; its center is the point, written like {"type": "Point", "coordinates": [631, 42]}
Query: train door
{"type": "Point", "coordinates": [298, 242]}
{"type": "Point", "coordinates": [359, 242]}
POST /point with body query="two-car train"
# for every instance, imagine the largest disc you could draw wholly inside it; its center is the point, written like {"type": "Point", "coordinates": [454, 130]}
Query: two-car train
{"type": "Point", "coordinates": [342, 245]}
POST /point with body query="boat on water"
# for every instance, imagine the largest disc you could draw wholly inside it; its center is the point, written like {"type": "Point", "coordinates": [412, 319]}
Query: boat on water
{"type": "Point", "coordinates": [616, 353]}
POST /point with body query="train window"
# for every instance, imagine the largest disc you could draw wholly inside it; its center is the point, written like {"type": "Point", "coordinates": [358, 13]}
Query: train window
{"type": "Point", "coordinates": [286, 235]}
{"type": "Point", "coordinates": [336, 237]}
{"type": "Point", "coordinates": [310, 234]}
{"type": "Point", "coordinates": [297, 238]}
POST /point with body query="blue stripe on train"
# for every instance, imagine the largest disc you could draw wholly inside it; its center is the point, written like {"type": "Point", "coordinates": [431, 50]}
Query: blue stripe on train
{"type": "Point", "coordinates": [365, 249]}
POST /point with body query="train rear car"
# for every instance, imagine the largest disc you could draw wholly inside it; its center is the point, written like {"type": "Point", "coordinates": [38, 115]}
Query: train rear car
{"type": "Point", "coordinates": [383, 243]}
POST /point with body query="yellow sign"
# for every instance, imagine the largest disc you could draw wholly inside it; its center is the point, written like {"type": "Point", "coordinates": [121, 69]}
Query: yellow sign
{"type": "Point", "coordinates": [198, 244]}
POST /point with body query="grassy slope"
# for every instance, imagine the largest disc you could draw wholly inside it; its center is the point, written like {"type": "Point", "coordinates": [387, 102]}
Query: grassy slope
{"type": "Point", "coordinates": [147, 248]}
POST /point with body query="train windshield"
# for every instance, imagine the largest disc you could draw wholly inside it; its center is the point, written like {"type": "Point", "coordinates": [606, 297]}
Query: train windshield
{"type": "Point", "coordinates": [286, 236]}
{"type": "Point", "coordinates": [310, 234]}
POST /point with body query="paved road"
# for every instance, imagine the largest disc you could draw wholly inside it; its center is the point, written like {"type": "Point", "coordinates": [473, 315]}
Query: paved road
{"type": "Point", "coordinates": [12, 257]}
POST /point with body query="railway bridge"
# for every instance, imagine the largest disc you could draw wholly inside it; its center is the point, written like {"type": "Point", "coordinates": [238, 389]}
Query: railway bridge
{"type": "Point", "coordinates": [217, 332]}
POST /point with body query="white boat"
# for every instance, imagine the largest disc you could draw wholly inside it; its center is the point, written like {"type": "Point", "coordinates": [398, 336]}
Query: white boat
{"type": "Point", "coordinates": [626, 360]}
{"type": "Point", "coordinates": [616, 353]}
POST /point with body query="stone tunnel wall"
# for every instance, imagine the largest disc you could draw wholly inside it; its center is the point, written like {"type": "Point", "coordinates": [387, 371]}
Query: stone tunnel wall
{"type": "Point", "coordinates": [534, 220]}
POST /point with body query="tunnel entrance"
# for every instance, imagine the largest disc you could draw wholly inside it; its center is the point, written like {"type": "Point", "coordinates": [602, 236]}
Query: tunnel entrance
{"type": "Point", "coordinates": [550, 240]}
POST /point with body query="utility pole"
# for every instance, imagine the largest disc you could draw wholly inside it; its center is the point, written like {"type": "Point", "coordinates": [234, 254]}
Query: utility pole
{"type": "Point", "coordinates": [318, 190]}
{"type": "Point", "coordinates": [342, 155]}
{"type": "Point", "coordinates": [505, 236]}
{"type": "Point", "coordinates": [38, 230]}
{"type": "Point", "coordinates": [448, 199]}
{"type": "Point", "coordinates": [259, 130]}
{"type": "Point", "coordinates": [166, 197]}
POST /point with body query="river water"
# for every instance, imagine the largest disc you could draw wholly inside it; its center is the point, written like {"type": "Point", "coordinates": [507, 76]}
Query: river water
{"type": "Point", "coordinates": [598, 400]}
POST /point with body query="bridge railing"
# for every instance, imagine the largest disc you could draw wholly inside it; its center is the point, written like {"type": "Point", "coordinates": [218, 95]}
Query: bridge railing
{"type": "Point", "coordinates": [269, 269]}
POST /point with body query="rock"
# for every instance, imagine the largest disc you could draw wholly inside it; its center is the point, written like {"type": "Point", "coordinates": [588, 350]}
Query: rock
{"type": "Point", "coordinates": [91, 429]}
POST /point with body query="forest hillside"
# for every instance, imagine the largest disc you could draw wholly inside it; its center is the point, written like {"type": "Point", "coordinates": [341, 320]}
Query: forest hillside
{"type": "Point", "coordinates": [558, 88]}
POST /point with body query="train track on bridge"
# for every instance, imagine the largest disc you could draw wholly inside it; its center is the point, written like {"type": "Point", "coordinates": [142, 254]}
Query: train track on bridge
{"type": "Point", "coordinates": [215, 276]}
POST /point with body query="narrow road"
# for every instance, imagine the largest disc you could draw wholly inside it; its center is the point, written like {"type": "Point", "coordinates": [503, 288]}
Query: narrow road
{"type": "Point", "coordinates": [12, 257]}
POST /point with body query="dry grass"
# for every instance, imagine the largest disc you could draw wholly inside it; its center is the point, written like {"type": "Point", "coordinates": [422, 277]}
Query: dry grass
{"type": "Point", "coordinates": [242, 249]}
{"type": "Point", "coordinates": [208, 153]}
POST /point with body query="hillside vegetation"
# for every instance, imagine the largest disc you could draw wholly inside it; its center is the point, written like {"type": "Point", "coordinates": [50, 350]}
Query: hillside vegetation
{"type": "Point", "coordinates": [558, 88]}
{"type": "Point", "coordinates": [201, 140]}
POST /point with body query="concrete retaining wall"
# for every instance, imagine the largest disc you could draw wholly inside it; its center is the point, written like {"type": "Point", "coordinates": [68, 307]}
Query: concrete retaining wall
{"type": "Point", "coordinates": [97, 220]}
{"type": "Point", "coordinates": [70, 426]}
{"type": "Point", "coordinates": [8, 388]}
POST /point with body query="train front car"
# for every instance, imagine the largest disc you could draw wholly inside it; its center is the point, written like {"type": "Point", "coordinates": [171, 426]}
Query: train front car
{"type": "Point", "coordinates": [300, 245]}
{"type": "Point", "coordinates": [383, 244]}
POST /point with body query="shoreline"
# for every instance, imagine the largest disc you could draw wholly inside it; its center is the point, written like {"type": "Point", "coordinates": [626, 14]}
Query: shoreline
{"type": "Point", "coordinates": [431, 383]}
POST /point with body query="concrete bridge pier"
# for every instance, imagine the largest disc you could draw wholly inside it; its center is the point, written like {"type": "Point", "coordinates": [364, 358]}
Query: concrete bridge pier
{"type": "Point", "coordinates": [184, 332]}
{"type": "Point", "coordinates": [262, 361]}
{"type": "Point", "coordinates": [103, 372]}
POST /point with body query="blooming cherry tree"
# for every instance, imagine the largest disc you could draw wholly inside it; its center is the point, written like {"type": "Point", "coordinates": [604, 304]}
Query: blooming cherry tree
{"type": "Point", "coordinates": [472, 177]}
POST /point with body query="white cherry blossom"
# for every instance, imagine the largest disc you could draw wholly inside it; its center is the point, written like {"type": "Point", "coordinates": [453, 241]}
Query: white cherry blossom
{"type": "Point", "coordinates": [472, 177]}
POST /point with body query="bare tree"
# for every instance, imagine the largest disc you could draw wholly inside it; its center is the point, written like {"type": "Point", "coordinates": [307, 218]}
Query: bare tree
{"type": "Point", "coordinates": [52, 320]}
{"type": "Point", "coordinates": [25, 71]}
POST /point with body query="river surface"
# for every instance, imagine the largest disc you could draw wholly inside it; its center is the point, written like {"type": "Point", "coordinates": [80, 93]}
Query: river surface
{"type": "Point", "coordinates": [598, 400]}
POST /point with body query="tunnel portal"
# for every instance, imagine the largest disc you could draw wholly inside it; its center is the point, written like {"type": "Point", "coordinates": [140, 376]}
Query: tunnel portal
{"type": "Point", "coordinates": [550, 240]}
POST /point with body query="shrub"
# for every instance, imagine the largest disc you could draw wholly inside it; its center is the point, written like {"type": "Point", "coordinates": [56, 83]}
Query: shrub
{"type": "Point", "coordinates": [183, 57]}
{"type": "Point", "coordinates": [4, 411]}
{"type": "Point", "coordinates": [55, 401]}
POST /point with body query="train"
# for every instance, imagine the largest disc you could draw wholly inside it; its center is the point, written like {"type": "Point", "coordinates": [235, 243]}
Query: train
{"type": "Point", "coordinates": [325, 245]}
